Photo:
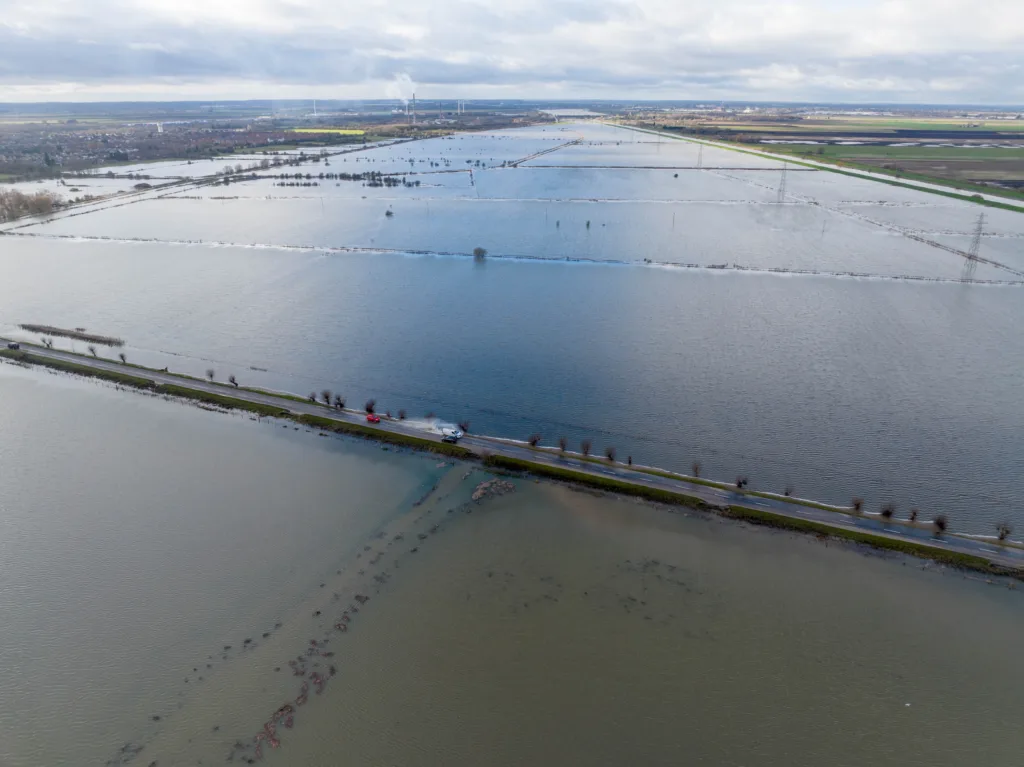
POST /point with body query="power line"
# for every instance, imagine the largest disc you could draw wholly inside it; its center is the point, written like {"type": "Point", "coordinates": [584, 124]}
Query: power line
{"type": "Point", "coordinates": [971, 264]}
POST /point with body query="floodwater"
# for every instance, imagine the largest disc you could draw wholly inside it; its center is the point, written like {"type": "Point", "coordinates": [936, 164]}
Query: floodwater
{"type": "Point", "coordinates": [396, 621]}
{"type": "Point", "coordinates": [556, 628]}
{"type": "Point", "coordinates": [141, 538]}
{"type": "Point", "coordinates": [603, 309]}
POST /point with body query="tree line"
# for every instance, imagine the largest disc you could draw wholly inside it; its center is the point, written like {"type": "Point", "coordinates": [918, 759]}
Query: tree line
{"type": "Point", "coordinates": [15, 204]}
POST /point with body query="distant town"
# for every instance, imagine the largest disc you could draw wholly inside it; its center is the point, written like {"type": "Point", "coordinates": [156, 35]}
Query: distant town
{"type": "Point", "coordinates": [971, 148]}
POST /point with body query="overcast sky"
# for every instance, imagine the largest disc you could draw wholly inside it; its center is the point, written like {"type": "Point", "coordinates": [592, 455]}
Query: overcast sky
{"type": "Point", "coordinates": [934, 51]}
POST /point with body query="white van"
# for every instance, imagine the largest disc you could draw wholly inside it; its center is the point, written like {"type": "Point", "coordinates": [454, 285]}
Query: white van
{"type": "Point", "coordinates": [451, 435]}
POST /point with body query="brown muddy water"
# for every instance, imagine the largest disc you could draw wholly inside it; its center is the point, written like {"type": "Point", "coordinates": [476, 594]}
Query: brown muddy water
{"type": "Point", "coordinates": [540, 626]}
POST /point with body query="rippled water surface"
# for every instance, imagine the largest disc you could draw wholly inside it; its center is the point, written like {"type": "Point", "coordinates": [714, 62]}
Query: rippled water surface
{"type": "Point", "coordinates": [644, 292]}
{"type": "Point", "coordinates": [171, 578]}
{"type": "Point", "coordinates": [141, 538]}
{"type": "Point", "coordinates": [554, 628]}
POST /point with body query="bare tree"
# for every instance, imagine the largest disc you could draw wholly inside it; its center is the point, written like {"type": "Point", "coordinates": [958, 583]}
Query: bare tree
{"type": "Point", "coordinates": [941, 522]}
{"type": "Point", "coordinates": [914, 513]}
{"type": "Point", "coordinates": [533, 440]}
{"type": "Point", "coordinates": [788, 492]}
{"type": "Point", "coordinates": [92, 350]}
{"type": "Point", "coordinates": [232, 380]}
{"type": "Point", "coordinates": [326, 396]}
{"type": "Point", "coordinates": [401, 415]}
{"type": "Point", "coordinates": [463, 426]}
{"type": "Point", "coordinates": [857, 505]}
{"type": "Point", "coordinates": [370, 405]}
{"type": "Point", "coordinates": [312, 396]}
{"type": "Point", "coordinates": [888, 510]}
{"type": "Point", "coordinates": [339, 402]}
{"type": "Point", "coordinates": [210, 374]}
{"type": "Point", "coordinates": [741, 482]}
{"type": "Point", "coordinates": [1004, 530]}
{"type": "Point", "coordinates": [585, 447]}
{"type": "Point", "coordinates": [124, 359]}
{"type": "Point", "coordinates": [695, 468]}
{"type": "Point", "coordinates": [609, 453]}
{"type": "Point", "coordinates": [563, 444]}
{"type": "Point", "coordinates": [479, 253]}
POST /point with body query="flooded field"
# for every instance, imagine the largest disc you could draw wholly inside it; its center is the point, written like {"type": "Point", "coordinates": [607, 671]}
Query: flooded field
{"type": "Point", "coordinates": [249, 592]}
{"type": "Point", "coordinates": [675, 302]}
{"type": "Point", "coordinates": [184, 542]}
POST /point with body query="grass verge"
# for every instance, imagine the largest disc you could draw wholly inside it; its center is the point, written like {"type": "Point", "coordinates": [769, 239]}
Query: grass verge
{"type": "Point", "coordinates": [757, 516]}
{"type": "Point", "coordinates": [912, 548]}
{"type": "Point", "coordinates": [234, 403]}
{"type": "Point", "coordinates": [929, 180]}
{"type": "Point", "coordinates": [186, 377]}
{"type": "Point", "coordinates": [589, 480]}
{"type": "Point", "coordinates": [856, 162]}
{"type": "Point", "coordinates": [404, 440]}
{"type": "Point", "coordinates": [82, 370]}
{"type": "Point", "coordinates": [220, 400]}
{"type": "Point", "coordinates": [716, 484]}
{"type": "Point", "coordinates": [825, 166]}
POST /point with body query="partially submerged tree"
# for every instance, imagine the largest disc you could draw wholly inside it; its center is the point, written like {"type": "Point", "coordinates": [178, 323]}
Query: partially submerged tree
{"type": "Point", "coordinates": [585, 447]}
{"type": "Point", "coordinates": [788, 492]}
{"type": "Point", "coordinates": [609, 453]}
{"type": "Point", "coordinates": [401, 415]}
{"type": "Point", "coordinates": [312, 396]}
{"type": "Point", "coordinates": [92, 350]}
{"type": "Point", "coordinates": [14, 204]}
{"type": "Point", "coordinates": [325, 395]}
{"type": "Point", "coordinates": [1004, 530]}
{"type": "Point", "coordinates": [370, 405]}
{"type": "Point", "coordinates": [914, 514]}
{"type": "Point", "coordinates": [124, 359]}
{"type": "Point", "coordinates": [479, 253]}
{"type": "Point", "coordinates": [695, 467]}
{"type": "Point", "coordinates": [533, 440]}
{"type": "Point", "coordinates": [857, 505]}
{"type": "Point", "coordinates": [464, 426]}
{"type": "Point", "coordinates": [563, 444]}
{"type": "Point", "coordinates": [339, 402]}
{"type": "Point", "coordinates": [888, 510]}
{"type": "Point", "coordinates": [941, 522]}
{"type": "Point", "coordinates": [741, 482]}
{"type": "Point", "coordinates": [232, 380]}
{"type": "Point", "coordinates": [210, 374]}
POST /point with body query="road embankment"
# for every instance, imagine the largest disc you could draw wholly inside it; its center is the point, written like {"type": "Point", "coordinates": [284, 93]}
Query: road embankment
{"type": "Point", "coordinates": [187, 390]}
{"type": "Point", "coordinates": [952, 552]}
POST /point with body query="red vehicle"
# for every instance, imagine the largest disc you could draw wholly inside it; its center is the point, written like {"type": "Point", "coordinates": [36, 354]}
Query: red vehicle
{"type": "Point", "coordinates": [373, 418]}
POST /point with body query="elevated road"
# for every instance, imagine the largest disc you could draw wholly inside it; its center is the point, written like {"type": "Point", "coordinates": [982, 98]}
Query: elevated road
{"type": "Point", "coordinates": [716, 496]}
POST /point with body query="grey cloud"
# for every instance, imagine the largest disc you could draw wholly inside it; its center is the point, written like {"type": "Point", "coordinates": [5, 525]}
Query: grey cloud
{"type": "Point", "coordinates": [511, 45]}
